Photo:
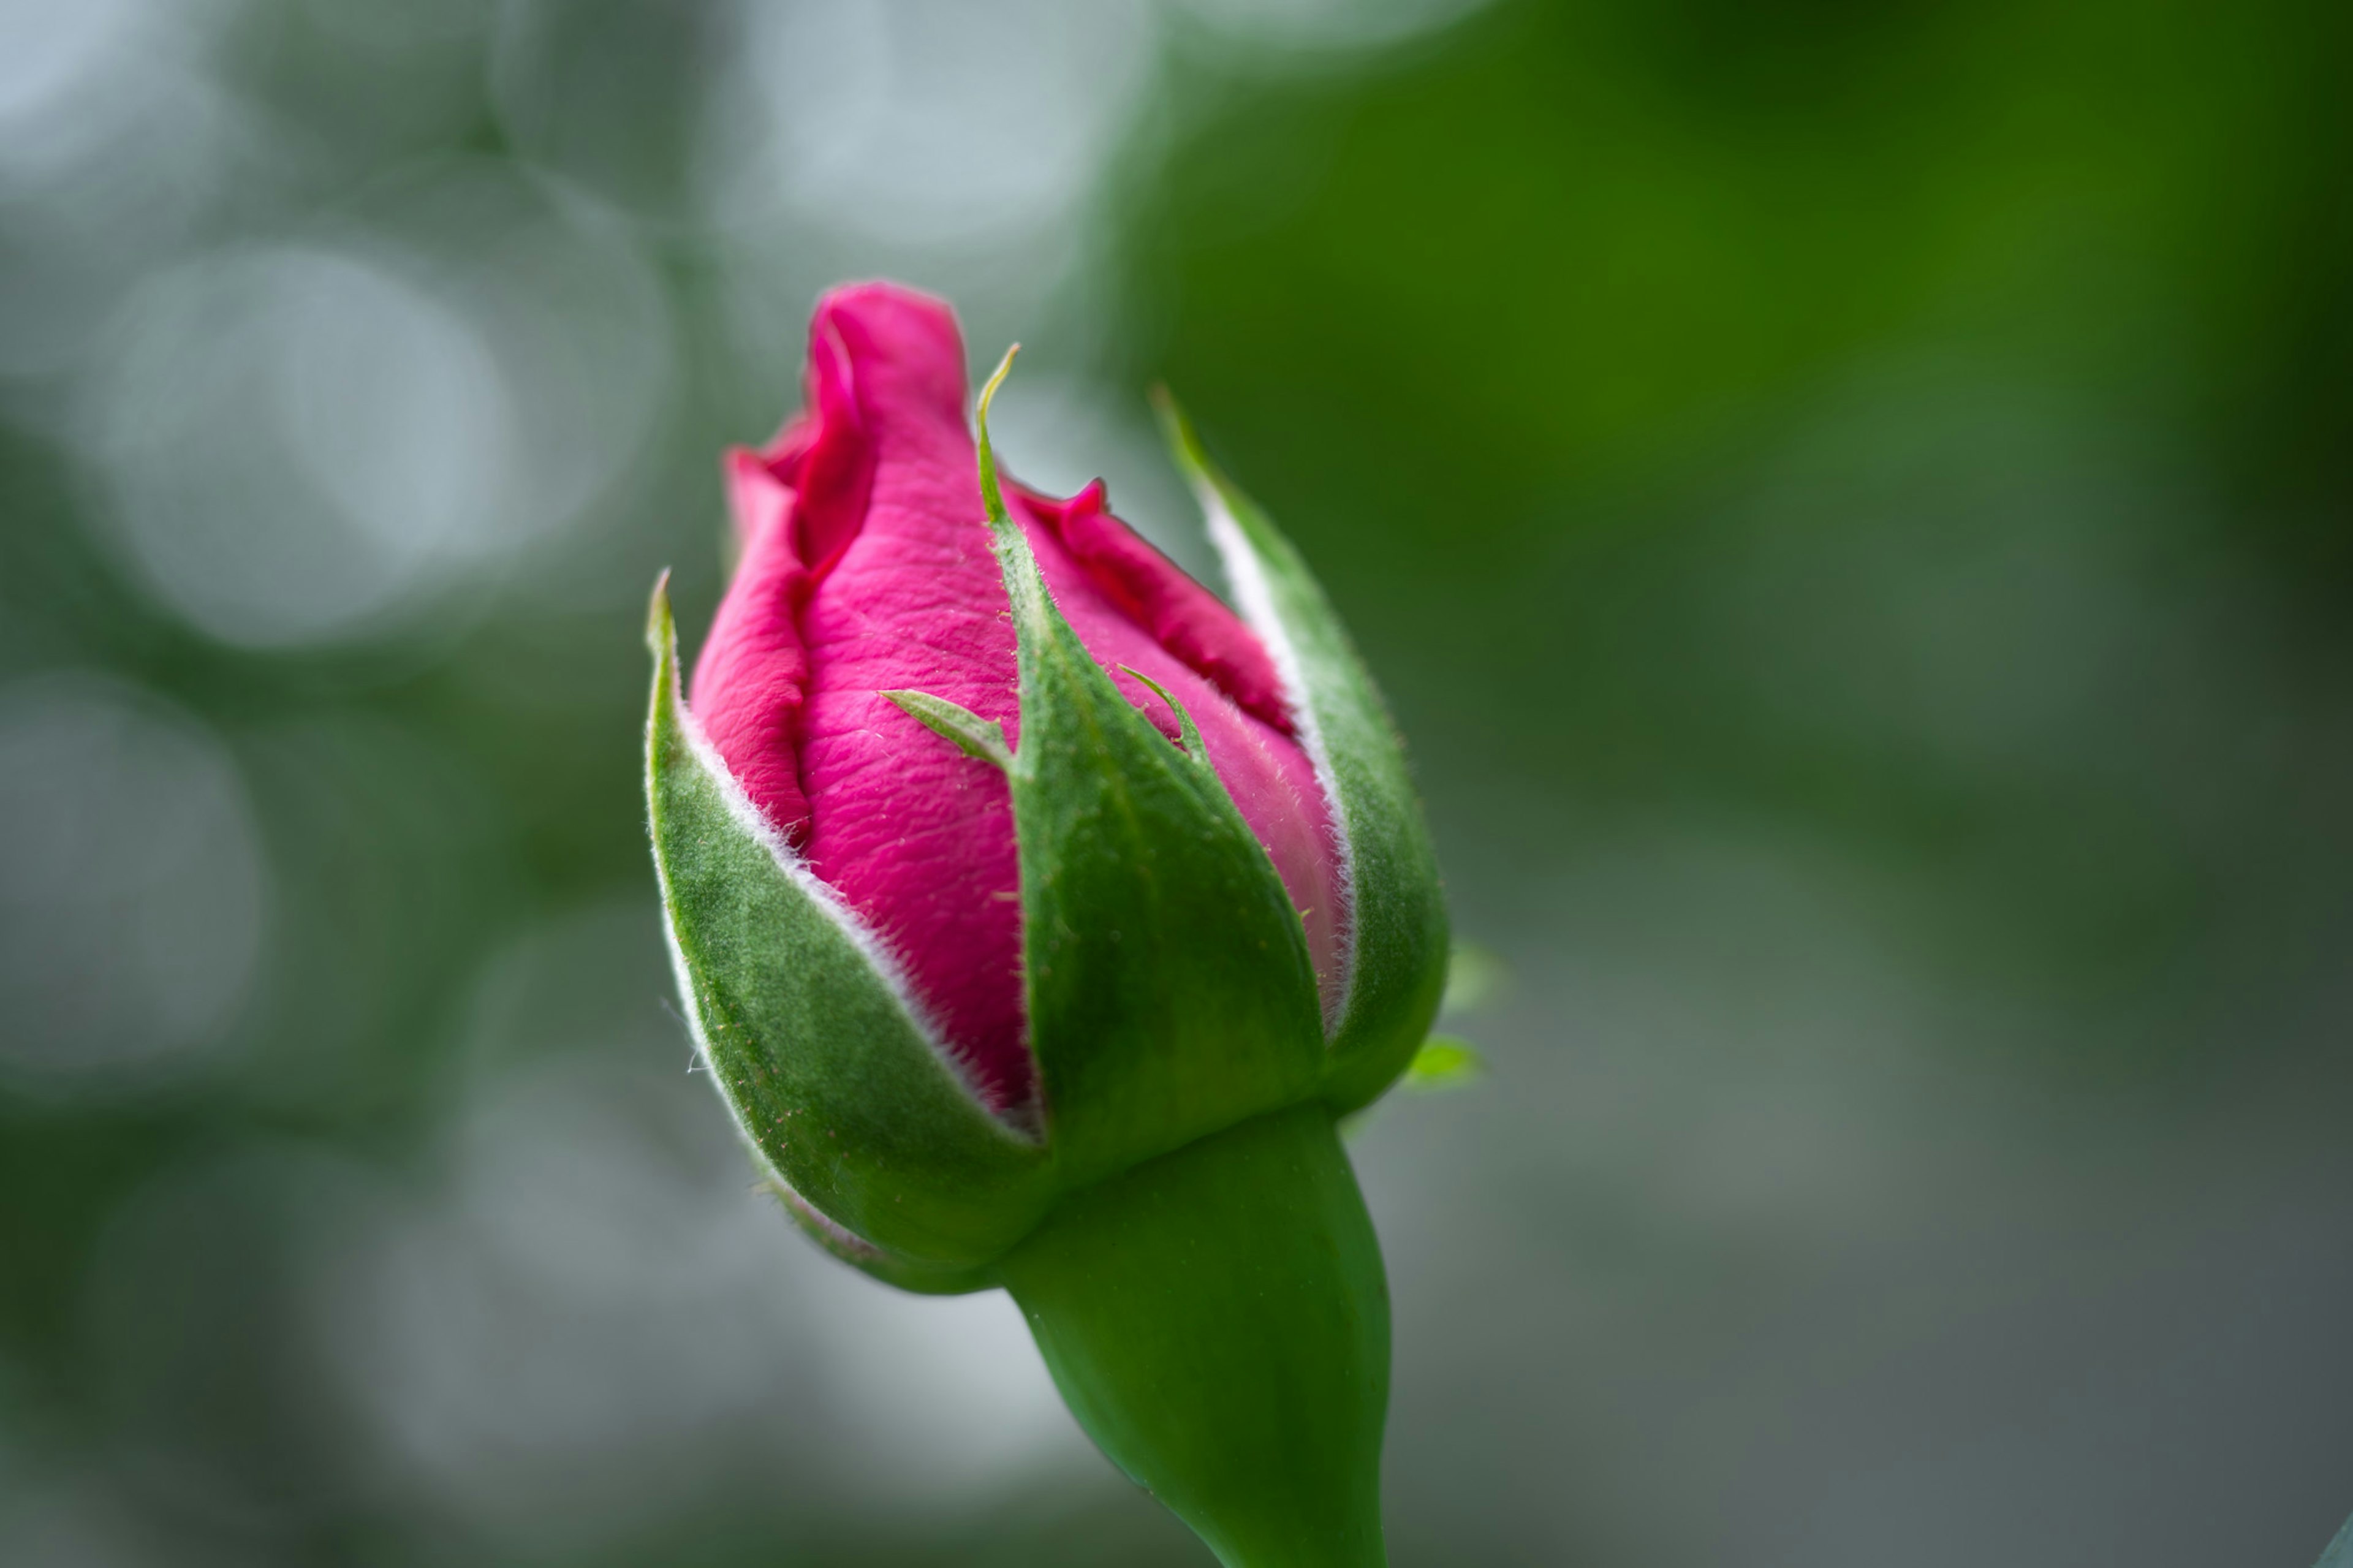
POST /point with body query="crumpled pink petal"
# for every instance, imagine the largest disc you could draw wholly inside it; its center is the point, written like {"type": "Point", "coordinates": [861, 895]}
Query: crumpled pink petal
{"type": "Point", "coordinates": [866, 568]}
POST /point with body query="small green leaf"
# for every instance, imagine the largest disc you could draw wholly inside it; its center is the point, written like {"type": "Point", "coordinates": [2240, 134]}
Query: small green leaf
{"type": "Point", "coordinates": [1445, 1061]}
{"type": "Point", "coordinates": [1192, 742]}
{"type": "Point", "coordinates": [1475, 977]}
{"type": "Point", "coordinates": [975, 736]}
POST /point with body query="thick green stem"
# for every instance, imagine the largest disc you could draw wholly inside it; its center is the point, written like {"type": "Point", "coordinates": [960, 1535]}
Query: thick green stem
{"type": "Point", "coordinates": [1218, 1322]}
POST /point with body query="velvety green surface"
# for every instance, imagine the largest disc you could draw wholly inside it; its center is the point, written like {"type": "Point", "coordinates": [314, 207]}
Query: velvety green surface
{"type": "Point", "coordinates": [1219, 1321]}
{"type": "Point", "coordinates": [816, 1054]}
{"type": "Point", "coordinates": [1397, 932]}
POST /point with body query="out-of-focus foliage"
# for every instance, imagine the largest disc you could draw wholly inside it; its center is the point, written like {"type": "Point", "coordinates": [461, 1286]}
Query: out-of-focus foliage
{"type": "Point", "coordinates": [1849, 504]}
{"type": "Point", "coordinates": [1908, 424]}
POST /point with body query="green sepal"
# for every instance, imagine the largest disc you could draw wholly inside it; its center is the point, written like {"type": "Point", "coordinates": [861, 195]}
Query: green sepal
{"type": "Point", "coordinates": [906, 1273]}
{"type": "Point", "coordinates": [1188, 733]}
{"type": "Point", "coordinates": [979, 738]}
{"type": "Point", "coordinates": [806, 1030]}
{"type": "Point", "coordinates": [1169, 988]}
{"type": "Point", "coordinates": [1397, 938]}
{"type": "Point", "coordinates": [1217, 1320]}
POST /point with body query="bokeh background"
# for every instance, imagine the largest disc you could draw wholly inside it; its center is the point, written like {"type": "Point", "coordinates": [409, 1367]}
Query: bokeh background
{"type": "Point", "coordinates": [1850, 503]}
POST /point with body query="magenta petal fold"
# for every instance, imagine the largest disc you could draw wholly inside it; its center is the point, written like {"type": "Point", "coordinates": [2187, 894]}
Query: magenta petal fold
{"type": "Point", "coordinates": [866, 568]}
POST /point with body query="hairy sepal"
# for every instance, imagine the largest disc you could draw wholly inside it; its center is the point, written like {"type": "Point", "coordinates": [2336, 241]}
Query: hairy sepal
{"type": "Point", "coordinates": [1169, 987]}
{"type": "Point", "coordinates": [810, 1037]}
{"type": "Point", "coordinates": [1396, 907]}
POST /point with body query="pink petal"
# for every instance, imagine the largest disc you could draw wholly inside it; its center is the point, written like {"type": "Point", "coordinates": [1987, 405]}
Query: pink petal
{"type": "Point", "coordinates": [1154, 592]}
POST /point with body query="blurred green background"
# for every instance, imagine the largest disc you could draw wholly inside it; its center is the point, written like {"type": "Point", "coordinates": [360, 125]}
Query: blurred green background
{"type": "Point", "coordinates": [1850, 503]}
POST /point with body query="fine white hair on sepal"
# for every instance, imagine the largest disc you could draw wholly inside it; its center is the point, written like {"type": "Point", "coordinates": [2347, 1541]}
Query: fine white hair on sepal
{"type": "Point", "coordinates": [885, 964]}
{"type": "Point", "coordinates": [702, 1040]}
{"type": "Point", "coordinates": [1254, 597]}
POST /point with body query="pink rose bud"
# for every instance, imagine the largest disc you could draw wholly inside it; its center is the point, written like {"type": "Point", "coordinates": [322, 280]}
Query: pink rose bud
{"type": "Point", "coordinates": [1039, 916]}
{"type": "Point", "coordinates": [867, 569]}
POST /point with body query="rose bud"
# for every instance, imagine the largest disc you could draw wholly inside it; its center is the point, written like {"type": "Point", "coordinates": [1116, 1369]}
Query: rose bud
{"type": "Point", "coordinates": [1037, 916]}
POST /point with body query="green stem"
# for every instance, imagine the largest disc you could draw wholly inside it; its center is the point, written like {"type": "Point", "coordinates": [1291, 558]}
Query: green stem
{"type": "Point", "coordinates": [1217, 1320]}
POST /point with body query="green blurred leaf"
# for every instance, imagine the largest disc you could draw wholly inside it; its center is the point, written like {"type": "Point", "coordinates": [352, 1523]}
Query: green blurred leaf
{"type": "Point", "coordinates": [1445, 1061]}
{"type": "Point", "coordinates": [1475, 978]}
